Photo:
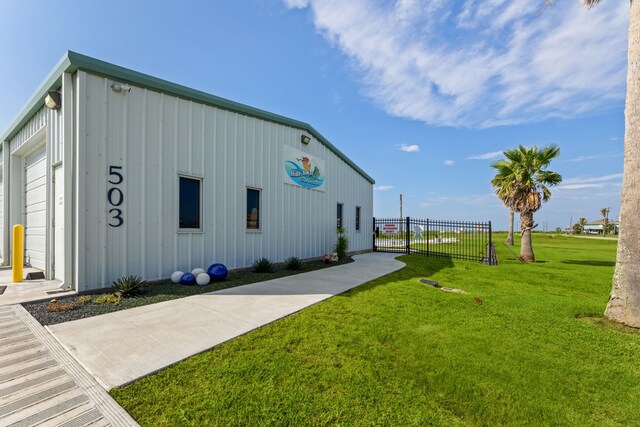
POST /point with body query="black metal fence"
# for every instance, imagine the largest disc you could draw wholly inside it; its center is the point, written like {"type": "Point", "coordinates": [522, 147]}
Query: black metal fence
{"type": "Point", "coordinates": [464, 240]}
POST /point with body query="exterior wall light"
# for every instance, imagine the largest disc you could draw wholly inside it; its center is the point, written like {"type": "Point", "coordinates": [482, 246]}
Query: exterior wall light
{"type": "Point", "coordinates": [119, 87]}
{"type": "Point", "coordinates": [305, 139]}
{"type": "Point", "coordinates": [53, 100]}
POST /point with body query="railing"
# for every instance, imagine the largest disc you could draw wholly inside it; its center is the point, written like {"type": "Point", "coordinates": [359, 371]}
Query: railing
{"type": "Point", "coordinates": [464, 240]}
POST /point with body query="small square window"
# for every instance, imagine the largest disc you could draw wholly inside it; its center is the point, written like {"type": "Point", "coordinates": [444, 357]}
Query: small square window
{"type": "Point", "coordinates": [339, 216]}
{"type": "Point", "coordinates": [253, 209]}
{"type": "Point", "coordinates": [357, 218]}
{"type": "Point", "coordinates": [190, 203]}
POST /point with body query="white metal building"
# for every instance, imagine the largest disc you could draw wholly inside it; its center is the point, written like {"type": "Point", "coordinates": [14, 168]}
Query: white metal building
{"type": "Point", "coordinates": [115, 172]}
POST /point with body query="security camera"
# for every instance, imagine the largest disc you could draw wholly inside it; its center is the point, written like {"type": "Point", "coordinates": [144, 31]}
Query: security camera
{"type": "Point", "coordinates": [120, 87]}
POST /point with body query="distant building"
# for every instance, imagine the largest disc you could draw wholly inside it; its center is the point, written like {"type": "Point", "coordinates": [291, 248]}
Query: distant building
{"type": "Point", "coordinates": [597, 227]}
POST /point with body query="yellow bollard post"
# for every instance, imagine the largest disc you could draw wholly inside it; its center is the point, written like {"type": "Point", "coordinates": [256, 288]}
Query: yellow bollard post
{"type": "Point", "coordinates": [17, 253]}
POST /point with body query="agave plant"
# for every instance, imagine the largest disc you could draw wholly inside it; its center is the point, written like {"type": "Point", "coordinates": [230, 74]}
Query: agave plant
{"type": "Point", "coordinates": [128, 286]}
{"type": "Point", "coordinates": [293, 263]}
{"type": "Point", "coordinates": [263, 265]}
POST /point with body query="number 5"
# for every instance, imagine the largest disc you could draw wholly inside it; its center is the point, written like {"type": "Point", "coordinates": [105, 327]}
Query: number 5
{"type": "Point", "coordinates": [113, 172]}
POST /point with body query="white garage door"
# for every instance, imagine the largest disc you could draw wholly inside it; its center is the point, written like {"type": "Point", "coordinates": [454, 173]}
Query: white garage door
{"type": "Point", "coordinates": [35, 219]}
{"type": "Point", "coordinates": [1, 216]}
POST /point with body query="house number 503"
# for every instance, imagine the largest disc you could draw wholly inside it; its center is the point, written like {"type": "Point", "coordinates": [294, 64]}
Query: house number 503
{"type": "Point", "coordinates": [115, 197]}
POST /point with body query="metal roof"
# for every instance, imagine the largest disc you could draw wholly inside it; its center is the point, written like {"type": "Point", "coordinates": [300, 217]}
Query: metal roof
{"type": "Point", "coordinates": [72, 61]}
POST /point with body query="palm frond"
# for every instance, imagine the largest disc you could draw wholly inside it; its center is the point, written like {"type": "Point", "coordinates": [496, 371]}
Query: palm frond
{"type": "Point", "coordinates": [590, 3]}
{"type": "Point", "coordinates": [521, 181]}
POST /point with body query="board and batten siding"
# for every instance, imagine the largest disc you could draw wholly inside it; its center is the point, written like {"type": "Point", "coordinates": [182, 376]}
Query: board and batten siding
{"type": "Point", "coordinates": [155, 138]}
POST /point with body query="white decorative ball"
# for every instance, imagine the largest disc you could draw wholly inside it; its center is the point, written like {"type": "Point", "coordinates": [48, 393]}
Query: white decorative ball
{"type": "Point", "coordinates": [198, 271]}
{"type": "Point", "coordinates": [202, 279]}
{"type": "Point", "coordinates": [176, 276]}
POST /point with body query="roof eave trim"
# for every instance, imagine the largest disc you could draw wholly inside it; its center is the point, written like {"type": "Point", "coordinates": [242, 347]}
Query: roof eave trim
{"type": "Point", "coordinates": [72, 61]}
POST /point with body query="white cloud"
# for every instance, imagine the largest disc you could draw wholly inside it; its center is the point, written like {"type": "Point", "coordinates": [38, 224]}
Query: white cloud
{"type": "Point", "coordinates": [384, 187]}
{"type": "Point", "coordinates": [583, 158]}
{"type": "Point", "coordinates": [481, 63]}
{"type": "Point", "coordinates": [486, 156]}
{"type": "Point", "coordinates": [579, 186]}
{"type": "Point", "coordinates": [449, 162]}
{"type": "Point", "coordinates": [296, 4]}
{"type": "Point", "coordinates": [409, 148]}
{"type": "Point", "coordinates": [581, 183]}
{"type": "Point", "coordinates": [592, 179]}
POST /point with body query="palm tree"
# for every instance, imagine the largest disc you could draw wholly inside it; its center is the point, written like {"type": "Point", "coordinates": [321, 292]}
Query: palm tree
{"type": "Point", "coordinates": [502, 191]}
{"type": "Point", "coordinates": [582, 222]}
{"type": "Point", "coordinates": [624, 300]}
{"type": "Point", "coordinates": [509, 240]}
{"type": "Point", "coordinates": [522, 183]}
{"type": "Point", "coordinates": [605, 220]}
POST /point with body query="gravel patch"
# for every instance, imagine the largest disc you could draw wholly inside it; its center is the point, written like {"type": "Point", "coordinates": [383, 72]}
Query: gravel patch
{"type": "Point", "coordinates": [156, 292]}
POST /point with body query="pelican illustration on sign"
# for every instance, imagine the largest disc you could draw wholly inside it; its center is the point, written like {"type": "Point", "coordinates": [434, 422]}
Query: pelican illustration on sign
{"type": "Point", "coordinates": [303, 169]}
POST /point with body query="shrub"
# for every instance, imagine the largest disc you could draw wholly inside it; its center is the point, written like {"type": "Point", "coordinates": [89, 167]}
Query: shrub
{"type": "Point", "coordinates": [128, 286]}
{"type": "Point", "coordinates": [263, 265]}
{"type": "Point", "coordinates": [83, 299]}
{"type": "Point", "coordinates": [107, 299]}
{"type": "Point", "coordinates": [342, 244]}
{"type": "Point", "coordinates": [56, 306]}
{"type": "Point", "coordinates": [293, 263]}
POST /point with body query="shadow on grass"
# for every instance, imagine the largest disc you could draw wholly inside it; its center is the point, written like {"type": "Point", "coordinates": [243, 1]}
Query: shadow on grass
{"type": "Point", "coordinates": [603, 322]}
{"type": "Point", "coordinates": [590, 263]}
{"type": "Point", "coordinates": [420, 270]}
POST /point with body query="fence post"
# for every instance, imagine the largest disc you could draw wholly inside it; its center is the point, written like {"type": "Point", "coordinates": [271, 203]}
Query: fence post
{"type": "Point", "coordinates": [427, 236]}
{"type": "Point", "coordinates": [373, 233]}
{"type": "Point", "coordinates": [408, 237]}
{"type": "Point", "coordinates": [490, 245]}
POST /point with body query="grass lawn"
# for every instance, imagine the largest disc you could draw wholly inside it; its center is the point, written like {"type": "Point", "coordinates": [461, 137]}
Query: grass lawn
{"type": "Point", "coordinates": [397, 352]}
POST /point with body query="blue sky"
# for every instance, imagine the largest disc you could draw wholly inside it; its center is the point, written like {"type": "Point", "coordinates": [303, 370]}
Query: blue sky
{"type": "Point", "coordinates": [422, 94]}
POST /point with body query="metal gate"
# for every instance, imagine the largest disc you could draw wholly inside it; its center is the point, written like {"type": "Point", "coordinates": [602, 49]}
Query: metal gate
{"type": "Point", "coordinates": [465, 240]}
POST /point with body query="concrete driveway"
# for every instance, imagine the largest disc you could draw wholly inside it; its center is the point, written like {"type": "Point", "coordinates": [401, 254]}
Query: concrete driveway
{"type": "Point", "coordinates": [120, 347]}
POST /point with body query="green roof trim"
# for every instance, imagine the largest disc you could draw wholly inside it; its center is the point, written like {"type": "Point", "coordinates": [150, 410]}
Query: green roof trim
{"type": "Point", "coordinates": [72, 61]}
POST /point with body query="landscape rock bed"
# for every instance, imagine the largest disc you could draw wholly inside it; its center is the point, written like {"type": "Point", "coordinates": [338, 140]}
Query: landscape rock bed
{"type": "Point", "coordinates": [160, 291]}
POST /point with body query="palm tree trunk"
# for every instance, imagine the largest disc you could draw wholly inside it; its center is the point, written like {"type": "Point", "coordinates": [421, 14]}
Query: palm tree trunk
{"type": "Point", "coordinates": [526, 246]}
{"type": "Point", "coordinates": [624, 301]}
{"type": "Point", "coordinates": [510, 235]}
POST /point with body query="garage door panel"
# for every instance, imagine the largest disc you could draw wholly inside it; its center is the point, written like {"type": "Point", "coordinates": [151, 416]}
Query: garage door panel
{"type": "Point", "coordinates": [35, 171]}
{"type": "Point", "coordinates": [36, 195]}
{"type": "Point", "coordinates": [37, 219]}
{"type": "Point", "coordinates": [36, 183]}
{"type": "Point", "coordinates": [35, 209]}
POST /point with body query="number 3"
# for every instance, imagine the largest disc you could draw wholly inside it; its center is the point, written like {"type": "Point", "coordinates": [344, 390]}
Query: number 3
{"type": "Point", "coordinates": [117, 216]}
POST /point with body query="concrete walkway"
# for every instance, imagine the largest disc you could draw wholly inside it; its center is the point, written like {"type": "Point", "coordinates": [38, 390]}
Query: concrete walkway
{"type": "Point", "coordinates": [41, 384]}
{"type": "Point", "coordinates": [118, 348]}
{"type": "Point", "coordinates": [28, 290]}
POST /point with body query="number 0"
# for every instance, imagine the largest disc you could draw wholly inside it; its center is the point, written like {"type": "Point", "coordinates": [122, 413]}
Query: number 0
{"type": "Point", "coordinates": [119, 197]}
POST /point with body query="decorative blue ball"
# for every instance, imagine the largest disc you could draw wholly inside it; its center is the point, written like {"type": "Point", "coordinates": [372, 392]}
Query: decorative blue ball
{"type": "Point", "coordinates": [188, 279]}
{"type": "Point", "coordinates": [217, 272]}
